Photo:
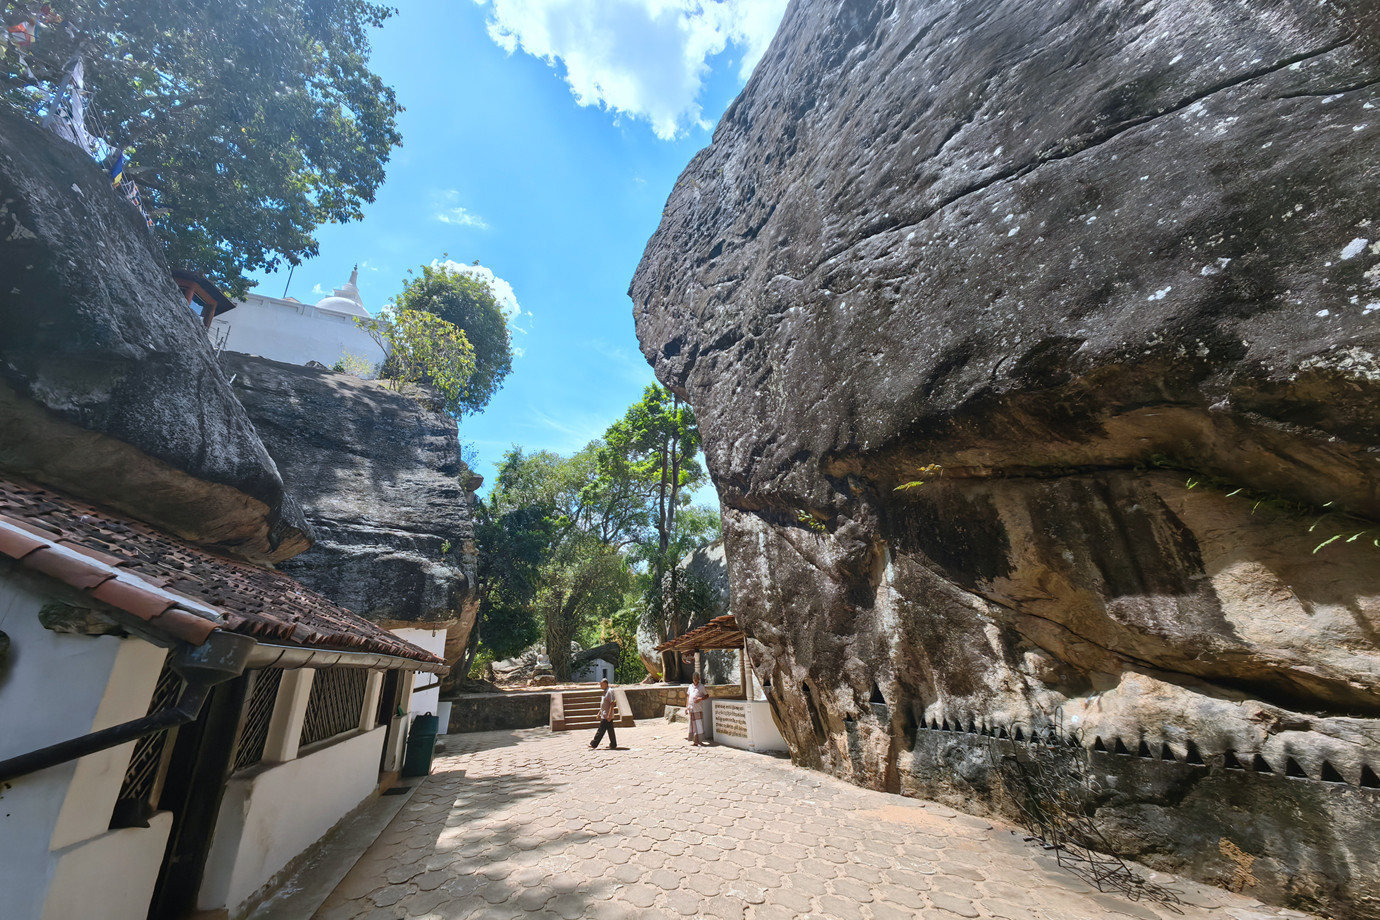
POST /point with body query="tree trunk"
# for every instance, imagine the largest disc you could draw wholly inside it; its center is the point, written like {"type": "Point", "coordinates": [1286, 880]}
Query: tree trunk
{"type": "Point", "coordinates": [558, 633]}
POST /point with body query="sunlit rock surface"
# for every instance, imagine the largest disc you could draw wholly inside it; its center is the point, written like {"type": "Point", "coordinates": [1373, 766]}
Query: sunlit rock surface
{"type": "Point", "coordinates": [108, 388]}
{"type": "Point", "coordinates": [380, 478]}
{"type": "Point", "coordinates": [1111, 272]}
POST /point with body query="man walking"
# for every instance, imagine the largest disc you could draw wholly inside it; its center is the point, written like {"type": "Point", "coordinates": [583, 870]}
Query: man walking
{"type": "Point", "coordinates": [607, 704]}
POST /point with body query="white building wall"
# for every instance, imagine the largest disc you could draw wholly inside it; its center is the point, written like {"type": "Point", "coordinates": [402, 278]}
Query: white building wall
{"type": "Point", "coordinates": [434, 641]}
{"type": "Point", "coordinates": [271, 815]}
{"type": "Point", "coordinates": [58, 687]}
{"type": "Point", "coordinates": [292, 332]}
{"type": "Point", "coordinates": [110, 876]}
{"type": "Point", "coordinates": [595, 669]}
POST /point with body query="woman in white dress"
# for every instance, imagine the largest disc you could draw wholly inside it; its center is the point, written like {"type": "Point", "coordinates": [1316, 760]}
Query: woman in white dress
{"type": "Point", "coordinates": [694, 710]}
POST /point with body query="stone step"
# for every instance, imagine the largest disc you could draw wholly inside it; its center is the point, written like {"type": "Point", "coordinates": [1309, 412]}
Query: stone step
{"type": "Point", "coordinates": [578, 710]}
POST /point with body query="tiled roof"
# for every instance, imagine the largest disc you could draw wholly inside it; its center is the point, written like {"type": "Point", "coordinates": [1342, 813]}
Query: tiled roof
{"type": "Point", "coordinates": [177, 588]}
{"type": "Point", "coordinates": [718, 634]}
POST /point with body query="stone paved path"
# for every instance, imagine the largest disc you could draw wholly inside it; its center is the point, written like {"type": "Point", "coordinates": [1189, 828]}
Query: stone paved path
{"type": "Point", "coordinates": [528, 824]}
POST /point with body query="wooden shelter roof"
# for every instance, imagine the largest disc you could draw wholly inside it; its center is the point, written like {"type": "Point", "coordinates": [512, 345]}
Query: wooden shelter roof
{"type": "Point", "coordinates": [719, 633]}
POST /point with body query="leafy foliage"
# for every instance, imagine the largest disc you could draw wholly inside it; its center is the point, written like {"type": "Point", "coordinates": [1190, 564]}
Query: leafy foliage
{"type": "Point", "coordinates": [467, 301]}
{"type": "Point", "coordinates": [604, 523]}
{"type": "Point", "coordinates": [514, 540]}
{"type": "Point", "coordinates": [354, 365]}
{"type": "Point", "coordinates": [583, 579]}
{"type": "Point", "coordinates": [652, 450]}
{"type": "Point", "coordinates": [247, 124]}
{"type": "Point", "coordinates": [426, 350]}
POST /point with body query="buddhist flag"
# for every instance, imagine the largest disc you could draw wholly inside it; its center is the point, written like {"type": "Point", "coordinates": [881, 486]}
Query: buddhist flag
{"type": "Point", "coordinates": [117, 172]}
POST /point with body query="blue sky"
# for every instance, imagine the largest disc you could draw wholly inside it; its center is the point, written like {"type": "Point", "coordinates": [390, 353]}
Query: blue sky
{"type": "Point", "coordinates": [502, 163]}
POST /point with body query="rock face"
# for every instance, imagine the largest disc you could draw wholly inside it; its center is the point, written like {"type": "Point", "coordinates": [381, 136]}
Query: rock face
{"type": "Point", "coordinates": [380, 478]}
{"type": "Point", "coordinates": [1108, 273]}
{"type": "Point", "coordinates": [708, 565]}
{"type": "Point", "coordinates": [108, 388]}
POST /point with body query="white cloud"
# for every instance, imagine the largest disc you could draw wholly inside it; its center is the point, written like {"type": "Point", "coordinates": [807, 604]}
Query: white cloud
{"type": "Point", "coordinates": [503, 293]}
{"type": "Point", "coordinates": [642, 58]}
{"type": "Point", "coordinates": [448, 211]}
{"type": "Point", "coordinates": [318, 290]}
{"type": "Point", "coordinates": [463, 218]}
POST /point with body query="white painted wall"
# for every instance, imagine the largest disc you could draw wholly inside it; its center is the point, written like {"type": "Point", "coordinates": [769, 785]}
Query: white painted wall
{"type": "Point", "coordinates": [110, 876]}
{"type": "Point", "coordinates": [762, 733]}
{"type": "Point", "coordinates": [270, 816]}
{"type": "Point", "coordinates": [434, 641]}
{"type": "Point", "coordinates": [594, 669]}
{"type": "Point", "coordinates": [292, 332]}
{"type": "Point", "coordinates": [58, 687]}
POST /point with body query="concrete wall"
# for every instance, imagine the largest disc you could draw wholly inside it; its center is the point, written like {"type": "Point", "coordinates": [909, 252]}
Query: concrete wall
{"type": "Point", "coordinates": [434, 641]}
{"type": "Point", "coordinates": [292, 332]}
{"type": "Point", "coordinates": [110, 876]}
{"type": "Point", "coordinates": [744, 724]}
{"type": "Point", "coordinates": [54, 824]}
{"type": "Point", "coordinates": [270, 816]}
{"type": "Point", "coordinates": [484, 712]}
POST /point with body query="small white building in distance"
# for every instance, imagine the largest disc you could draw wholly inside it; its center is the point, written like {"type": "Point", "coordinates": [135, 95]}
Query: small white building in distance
{"type": "Point", "coordinates": [287, 330]}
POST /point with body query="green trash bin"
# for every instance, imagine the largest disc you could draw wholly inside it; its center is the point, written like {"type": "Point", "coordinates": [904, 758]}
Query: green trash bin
{"type": "Point", "coordinates": [421, 746]}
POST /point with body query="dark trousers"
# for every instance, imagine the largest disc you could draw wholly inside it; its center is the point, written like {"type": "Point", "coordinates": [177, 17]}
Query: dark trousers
{"type": "Point", "coordinates": [605, 725]}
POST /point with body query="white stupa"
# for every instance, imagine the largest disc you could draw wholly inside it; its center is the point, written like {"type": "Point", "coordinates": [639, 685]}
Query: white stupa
{"type": "Point", "coordinates": [345, 300]}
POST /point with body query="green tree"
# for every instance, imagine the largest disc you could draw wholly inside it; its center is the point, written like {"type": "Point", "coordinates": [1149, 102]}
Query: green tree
{"type": "Point", "coordinates": [462, 298]}
{"type": "Point", "coordinates": [654, 446]}
{"type": "Point", "coordinates": [584, 579]}
{"type": "Point", "coordinates": [247, 123]}
{"type": "Point", "coordinates": [671, 604]}
{"type": "Point", "coordinates": [514, 531]}
{"type": "Point", "coordinates": [423, 349]}
{"type": "Point", "coordinates": [547, 507]}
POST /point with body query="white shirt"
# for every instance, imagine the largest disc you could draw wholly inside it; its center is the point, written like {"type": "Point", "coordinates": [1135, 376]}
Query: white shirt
{"type": "Point", "coordinates": [607, 704]}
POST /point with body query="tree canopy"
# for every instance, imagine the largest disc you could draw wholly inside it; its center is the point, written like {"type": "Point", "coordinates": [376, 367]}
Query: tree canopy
{"type": "Point", "coordinates": [466, 300]}
{"type": "Point", "coordinates": [564, 573]}
{"type": "Point", "coordinates": [247, 124]}
{"type": "Point", "coordinates": [602, 531]}
{"type": "Point", "coordinates": [426, 350]}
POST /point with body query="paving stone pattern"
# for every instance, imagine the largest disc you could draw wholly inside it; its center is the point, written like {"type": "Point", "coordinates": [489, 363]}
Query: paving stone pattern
{"type": "Point", "coordinates": [523, 824]}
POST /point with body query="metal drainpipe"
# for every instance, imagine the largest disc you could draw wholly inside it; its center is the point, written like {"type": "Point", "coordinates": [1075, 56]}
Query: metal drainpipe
{"type": "Point", "coordinates": [221, 657]}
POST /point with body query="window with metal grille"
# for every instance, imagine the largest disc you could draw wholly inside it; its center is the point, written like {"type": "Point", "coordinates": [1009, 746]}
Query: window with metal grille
{"type": "Point", "coordinates": [258, 712]}
{"type": "Point", "coordinates": [149, 762]}
{"type": "Point", "coordinates": [335, 704]}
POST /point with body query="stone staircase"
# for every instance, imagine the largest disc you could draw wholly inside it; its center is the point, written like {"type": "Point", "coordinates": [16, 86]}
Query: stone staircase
{"type": "Point", "coordinates": [573, 710]}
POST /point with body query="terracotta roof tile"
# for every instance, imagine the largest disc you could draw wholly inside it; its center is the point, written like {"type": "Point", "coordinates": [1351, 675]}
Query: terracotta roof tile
{"type": "Point", "coordinates": [184, 624]}
{"type": "Point", "coordinates": [18, 545]}
{"type": "Point", "coordinates": [253, 600]}
{"type": "Point", "coordinates": [720, 633]}
{"type": "Point", "coordinates": [76, 572]}
{"type": "Point", "coordinates": [136, 598]}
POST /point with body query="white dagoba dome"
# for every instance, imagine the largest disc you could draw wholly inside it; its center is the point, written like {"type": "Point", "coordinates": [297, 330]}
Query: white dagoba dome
{"type": "Point", "coordinates": [345, 300]}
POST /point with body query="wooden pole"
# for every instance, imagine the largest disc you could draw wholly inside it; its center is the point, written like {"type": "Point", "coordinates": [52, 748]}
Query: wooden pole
{"type": "Point", "coordinates": [743, 670]}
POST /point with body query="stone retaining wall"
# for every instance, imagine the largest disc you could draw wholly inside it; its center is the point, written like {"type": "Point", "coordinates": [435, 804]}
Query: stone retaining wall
{"type": "Point", "coordinates": [493, 711]}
